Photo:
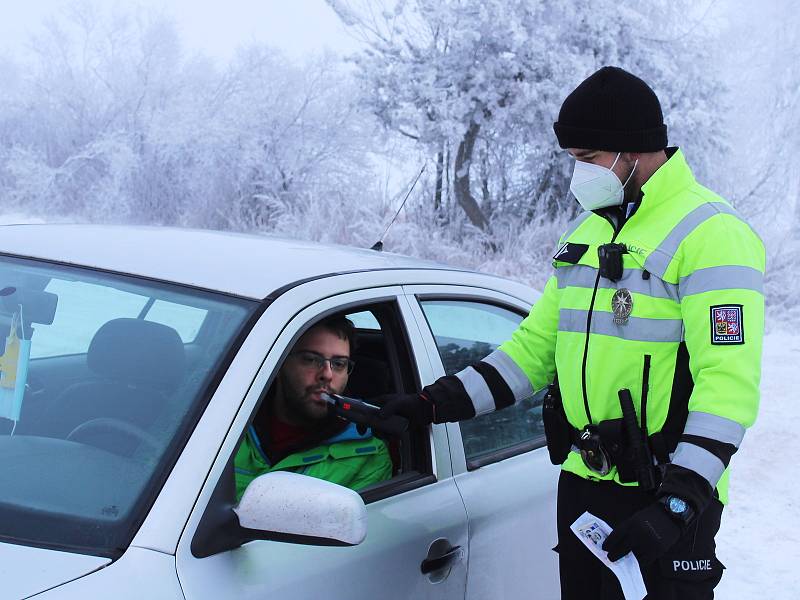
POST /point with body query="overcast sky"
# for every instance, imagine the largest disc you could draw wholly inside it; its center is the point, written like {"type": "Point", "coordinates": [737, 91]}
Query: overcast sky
{"type": "Point", "coordinates": [214, 27]}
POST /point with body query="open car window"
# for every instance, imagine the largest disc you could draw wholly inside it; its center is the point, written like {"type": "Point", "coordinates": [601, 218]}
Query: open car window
{"type": "Point", "coordinates": [382, 365]}
{"type": "Point", "coordinates": [96, 400]}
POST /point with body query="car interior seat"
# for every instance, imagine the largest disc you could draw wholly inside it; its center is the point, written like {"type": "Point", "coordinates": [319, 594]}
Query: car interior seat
{"type": "Point", "coordinates": [136, 365]}
{"type": "Point", "coordinates": [372, 377]}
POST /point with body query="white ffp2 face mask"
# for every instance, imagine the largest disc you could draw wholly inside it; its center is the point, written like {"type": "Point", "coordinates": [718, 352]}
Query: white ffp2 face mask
{"type": "Point", "coordinates": [598, 187]}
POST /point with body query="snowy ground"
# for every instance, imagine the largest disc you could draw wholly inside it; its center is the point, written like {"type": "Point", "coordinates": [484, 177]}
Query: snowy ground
{"type": "Point", "coordinates": [17, 218]}
{"type": "Point", "coordinates": [758, 542]}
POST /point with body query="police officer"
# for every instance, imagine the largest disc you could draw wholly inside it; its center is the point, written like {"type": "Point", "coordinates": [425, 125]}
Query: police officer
{"type": "Point", "coordinates": [652, 326]}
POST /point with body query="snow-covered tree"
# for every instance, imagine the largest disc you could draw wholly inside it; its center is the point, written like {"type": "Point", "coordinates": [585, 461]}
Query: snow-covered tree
{"type": "Point", "coordinates": [294, 130]}
{"type": "Point", "coordinates": [90, 93]}
{"type": "Point", "coordinates": [478, 84]}
{"type": "Point", "coordinates": [110, 121]}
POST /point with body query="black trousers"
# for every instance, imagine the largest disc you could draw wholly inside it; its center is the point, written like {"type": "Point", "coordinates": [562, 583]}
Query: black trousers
{"type": "Point", "coordinates": [688, 571]}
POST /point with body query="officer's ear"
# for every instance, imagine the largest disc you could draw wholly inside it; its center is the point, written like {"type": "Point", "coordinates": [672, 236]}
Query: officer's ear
{"type": "Point", "coordinates": [631, 156]}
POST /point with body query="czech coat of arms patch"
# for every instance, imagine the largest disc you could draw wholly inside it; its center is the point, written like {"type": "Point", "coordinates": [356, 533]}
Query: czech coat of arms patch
{"type": "Point", "coordinates": [726, 324]}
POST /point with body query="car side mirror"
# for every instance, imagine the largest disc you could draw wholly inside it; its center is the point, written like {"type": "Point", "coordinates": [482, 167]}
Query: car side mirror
{"type": "Point", "coordinates": [280, 506]}
{"type": "Point", "coordinates": [305, 509]}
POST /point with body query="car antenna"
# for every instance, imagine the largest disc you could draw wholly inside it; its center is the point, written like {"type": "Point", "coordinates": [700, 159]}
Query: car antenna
{"type": "Point", "coordinates": [378, 246]}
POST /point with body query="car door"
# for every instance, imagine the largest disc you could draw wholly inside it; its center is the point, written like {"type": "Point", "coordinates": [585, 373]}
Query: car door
{"type": "Point", "coordinates": [500, 462]}
{"type": "Point", "coordinates": [415, 515]}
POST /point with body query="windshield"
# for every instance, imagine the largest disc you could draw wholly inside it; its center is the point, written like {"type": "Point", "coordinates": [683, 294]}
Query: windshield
{"type": "Point", "coordinates": [102, 378]}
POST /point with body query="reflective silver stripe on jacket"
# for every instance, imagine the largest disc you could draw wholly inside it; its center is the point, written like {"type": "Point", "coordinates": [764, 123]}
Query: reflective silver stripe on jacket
{"type": "Point", "coordinates": [658, 260]}
{"type": "Point", "coordinates": [477, 390]}
{"type": "Point", "coordinates": [714, 427]}
{"type": "Point", "coordinates": [699, 460]}
{"type": "Point", "coordinates": [511, 373]}
{"type": "Point", "coordinates": [636, 328]}
{"type": "Point", "coordinates": [584, 276]}
{"type": "Point", "coordinates": [576, 276]}
{"type": "Point", "coordinates": [728, 277]}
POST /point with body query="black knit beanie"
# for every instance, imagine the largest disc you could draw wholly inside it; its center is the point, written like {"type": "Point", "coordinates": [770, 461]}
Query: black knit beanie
{"type": "Point", "coordinates": [612, 110]}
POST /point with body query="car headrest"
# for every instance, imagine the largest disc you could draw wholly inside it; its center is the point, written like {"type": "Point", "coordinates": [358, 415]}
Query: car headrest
{"type": "Point", "coordinates": [37, 306]}
{"type": "Point", "coordinates": [370, 378]}
{"type": "Point", "coordinates": [138, 352]}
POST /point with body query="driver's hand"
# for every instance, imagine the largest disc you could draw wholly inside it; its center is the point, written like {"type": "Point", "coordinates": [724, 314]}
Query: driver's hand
{"type": "Point", "coordinates": [415, 407]}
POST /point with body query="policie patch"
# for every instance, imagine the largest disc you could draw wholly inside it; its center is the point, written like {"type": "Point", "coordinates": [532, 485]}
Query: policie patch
{"type": "Point", "coordinates": [727, 325]}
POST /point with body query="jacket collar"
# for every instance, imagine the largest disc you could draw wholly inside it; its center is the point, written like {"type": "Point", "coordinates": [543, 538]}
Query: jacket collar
{"type": "Point", "coordinates": [672, 177]}
{"type": "Point", "coordinates": [347, 444]}
{"type": "Point", "coordinates": [350, 433]}
{"type": "Point", "coordinates": [343, 431]}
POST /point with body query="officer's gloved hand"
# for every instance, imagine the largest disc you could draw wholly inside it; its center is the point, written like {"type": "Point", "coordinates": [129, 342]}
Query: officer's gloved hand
{"type": "Point", "coordinates": [414, 407]}
{"type": "Point", "coordinates": [648, 534]}
{"type": "Point", "coordinates": [380, 428]}
{"type": "Point", "coordinates": [363, 428]}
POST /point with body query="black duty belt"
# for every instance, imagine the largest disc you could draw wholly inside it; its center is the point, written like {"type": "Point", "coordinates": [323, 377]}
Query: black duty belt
{"type": "Point", "coordinates": [603, 446]}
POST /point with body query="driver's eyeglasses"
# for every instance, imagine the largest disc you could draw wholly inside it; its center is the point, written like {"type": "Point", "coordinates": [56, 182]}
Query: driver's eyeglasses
{"type": "Point", "coordinates": [314, 360]}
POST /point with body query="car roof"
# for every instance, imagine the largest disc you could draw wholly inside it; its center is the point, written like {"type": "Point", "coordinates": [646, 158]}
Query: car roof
{"type": "Point", "coordinates": [252, 266]}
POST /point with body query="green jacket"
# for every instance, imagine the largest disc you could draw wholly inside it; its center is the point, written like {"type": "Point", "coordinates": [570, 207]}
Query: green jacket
{"type": "Point", "coordinates": [693, 271]}
{"type": "Point", "coordinates": [349, 459]}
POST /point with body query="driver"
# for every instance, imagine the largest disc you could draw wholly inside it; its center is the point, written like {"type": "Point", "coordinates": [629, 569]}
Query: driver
{"type": "Point", "coordinates": [293, 431]}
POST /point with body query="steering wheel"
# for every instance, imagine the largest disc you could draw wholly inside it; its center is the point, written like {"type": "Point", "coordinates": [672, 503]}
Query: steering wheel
{"type": "Point", "coordinates": [109, 424]}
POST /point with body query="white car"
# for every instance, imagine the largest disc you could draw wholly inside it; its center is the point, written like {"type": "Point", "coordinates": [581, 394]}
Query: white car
{"type": "Point", "coordinates": [150, 350]}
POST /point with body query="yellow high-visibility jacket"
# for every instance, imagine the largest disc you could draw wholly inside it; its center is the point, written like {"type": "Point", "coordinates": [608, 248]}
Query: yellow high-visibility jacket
{"type": "Point", "coordinates": [689, 325]}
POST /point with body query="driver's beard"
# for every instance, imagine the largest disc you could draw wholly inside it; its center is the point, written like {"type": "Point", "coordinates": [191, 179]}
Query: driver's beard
{"type": "Point", "coordinates": [294, 405]}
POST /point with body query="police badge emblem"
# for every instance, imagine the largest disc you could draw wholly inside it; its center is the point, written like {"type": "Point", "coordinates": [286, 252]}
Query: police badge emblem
{"type": "Point", "coordinates": [622, 305]}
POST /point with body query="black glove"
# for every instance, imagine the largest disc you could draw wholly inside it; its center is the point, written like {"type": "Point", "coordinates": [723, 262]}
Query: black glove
{"type": "Point", "coordinates": [379, 428]}
{"type": "Point", "coordinates": [414, 407]}
{"type": "Point", "coordinates": [648, 534]}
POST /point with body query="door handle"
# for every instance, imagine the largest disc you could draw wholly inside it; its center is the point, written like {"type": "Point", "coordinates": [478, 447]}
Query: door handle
{"type": "Point", "coordinates": [431, 564]}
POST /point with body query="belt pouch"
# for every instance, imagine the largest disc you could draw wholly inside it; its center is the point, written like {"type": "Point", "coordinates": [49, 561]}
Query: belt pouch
{"type": "Point", "coordinates": [556, 427]}
{"type": "Point", "coordinates": [613, 439]}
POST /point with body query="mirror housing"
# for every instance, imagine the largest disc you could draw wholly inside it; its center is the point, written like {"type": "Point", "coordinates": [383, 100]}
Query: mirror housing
{"type": "Point", "coordinates": [304, 507]}
{"type": "Point", "coordinates": [280, 506]}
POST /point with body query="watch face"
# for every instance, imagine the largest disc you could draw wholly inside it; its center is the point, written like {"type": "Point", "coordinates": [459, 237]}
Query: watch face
{"type": "Point", "coordinates": [676, 505]}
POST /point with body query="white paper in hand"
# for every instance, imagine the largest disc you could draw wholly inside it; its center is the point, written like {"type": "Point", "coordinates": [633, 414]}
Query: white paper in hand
{"type": "Point", "coordinates": [593, 531]}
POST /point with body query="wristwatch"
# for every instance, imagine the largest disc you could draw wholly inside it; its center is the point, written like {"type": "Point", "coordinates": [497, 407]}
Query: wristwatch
{"type": "Point", "coordinates": [678, 508]}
